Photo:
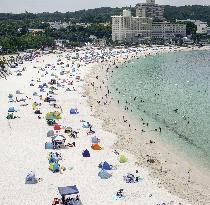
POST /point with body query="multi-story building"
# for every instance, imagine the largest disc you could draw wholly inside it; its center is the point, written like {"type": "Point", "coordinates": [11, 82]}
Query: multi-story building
{"type": "Point", "coordinates": [59, 25]}
{"type": "Point", "coordinates": [35, 31]}
{"type": "Point", "coordinates": [202, 27]}
{"type": "Point", "coordinates": [150, 10]}
{"type": "Point", "coordinates": [167, 30]}
{"type": "Point", "coordinates": [142, 27]}
{"type": "Point", "coordinates": [128, 28]}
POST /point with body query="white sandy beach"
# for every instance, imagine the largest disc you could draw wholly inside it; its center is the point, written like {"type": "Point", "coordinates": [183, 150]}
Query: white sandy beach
{"type": "Point", "coordinates": [23, 150]}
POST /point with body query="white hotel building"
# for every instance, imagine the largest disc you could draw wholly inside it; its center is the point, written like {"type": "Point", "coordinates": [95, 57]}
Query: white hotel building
{"type": "Point", "coordinates": [128, 28]}
{"type": "Point", "coordinates": [202, 27]}
{"type": "Point", "coordinates": [167, 30]}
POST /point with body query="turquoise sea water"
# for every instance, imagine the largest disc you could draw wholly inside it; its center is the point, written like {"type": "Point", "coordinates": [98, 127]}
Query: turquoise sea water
{"type": "Point", "coordinates": [172, 91]}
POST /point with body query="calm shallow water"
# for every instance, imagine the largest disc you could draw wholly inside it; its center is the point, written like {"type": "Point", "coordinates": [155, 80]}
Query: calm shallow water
{"type": "Point", "coordinates": [175, 88]}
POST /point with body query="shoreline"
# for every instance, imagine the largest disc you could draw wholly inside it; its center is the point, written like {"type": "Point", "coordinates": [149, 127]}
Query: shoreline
{"type": "Point", "coordinates": [173, 175]}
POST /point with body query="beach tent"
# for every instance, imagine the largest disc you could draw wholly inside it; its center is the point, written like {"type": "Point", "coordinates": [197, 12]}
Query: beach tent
{"type": "Point", "coordinates": [56, 127]}
{"type": "Point", "coordinates": [86, 153]}
{"type": "Point", "coordinates": [58, 138]}
{"type": "Point", "coordinates": [49, 116]}
{"type": "Point", "coordinates": [49, 99]}
{"type": "Point", "coordinates": [10, 117]}
{"type": "Point", "coordinates": [103, 174]}
{"type": "Point", "coordinates": [68, 190]}
{"type": "Point", "coordinates": [38, 112]}
{"type": "Point", "coordinates": [10, 95]}
{"type": "Point", "coordinates": [73, 111]}
{"type": "Point", "coordinates": [54, 167]}
{"type": "Point", "coordinates": [53, 88]}
{"type": "Point", "coordinates": [57, 115]}
{"type": "Point", "coordinates": [105, 165]}
{"type": "Point", "coordinates": [130, 178]}
{"type": "Point", "coordinates": [45, 85]}
{"type": "Point", "coordinates": [52, 159]}
{"type": "Point", "coordinates": [52, 81]}
{"type": "Point", "coordinates": [53, 115]}
{"type": "Point", "coordinates": [42, 90]}
{"type": "Point", "coordinates": [34, 106]}
{"type": "Point", "coordinates": [95, 140]}
{"type": "Point", "coordinates": [96, 147]}
{"type": "Point", "coordinates": [86, 125]}
{"type": "Point", "coordinates": [11, 100]}
{"type": "Point", "coordinates": [48, 145]}
{"type": "Point", "coordinates": [58, 141]}
{"type": "Point", "coordinates": [50, 133]}
{"type": "Point", "coordinates": [18, 92]}
{"type": "Point", "coordinates": [12, 109]}
{"type": "Point", "coordinates": [68, 130]}
{"type": "Point", "coordinates": [30, 178]}
{"type": "Point", "coordinates": [51, 122]}
{"type": "Point", "coordinates": [123, 159]}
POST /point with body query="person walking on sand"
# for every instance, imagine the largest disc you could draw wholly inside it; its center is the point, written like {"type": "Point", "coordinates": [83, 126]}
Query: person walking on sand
{"type": "Point", "coordinates": [189, 175]}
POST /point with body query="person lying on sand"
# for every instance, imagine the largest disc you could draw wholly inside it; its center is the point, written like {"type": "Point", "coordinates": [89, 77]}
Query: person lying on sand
{"type": "Point", "coordinates": [73, 144]}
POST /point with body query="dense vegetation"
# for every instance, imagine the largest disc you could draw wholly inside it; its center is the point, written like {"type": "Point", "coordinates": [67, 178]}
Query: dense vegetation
{"type": "Point", "coordinates": [14, 34]}
{"type": "Point", "coordinates": [98, 15]}
{"type": "Point", "coordinates": [102, 15]}
{"type": "Point", "coordinates": [195, 12]}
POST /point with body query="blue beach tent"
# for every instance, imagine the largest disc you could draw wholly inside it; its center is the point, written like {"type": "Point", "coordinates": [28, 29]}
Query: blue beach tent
{"type": "Point", "coordinates": [68, 190]}
{"type": "Point", "coordinates": [30, 178]}
{"type": "Point", "coordinates": [73, 111]}
{"type": "Point", "coordinates": [105, 166]}
{"type": "Point", "coordinates": [54, 167]}
{"type": "Point", "coordinates": [86, 125]}
{"type": "Point", "coordinates": [95, 140]}
{"type": "Point", "coordinates": [12, 109]}
{"type": "Point", "coordinates": [52, 159]}
{"type": "Point", "coordinates": [86, 153]}
{"type": "Point", "coordinates": [48, 145]}
{"type": "Point", "coordinates": [35, 94]}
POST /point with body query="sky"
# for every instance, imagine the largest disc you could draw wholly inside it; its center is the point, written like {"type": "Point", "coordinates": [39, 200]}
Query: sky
{"type": "Point", "coordinates": [37, 6]}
